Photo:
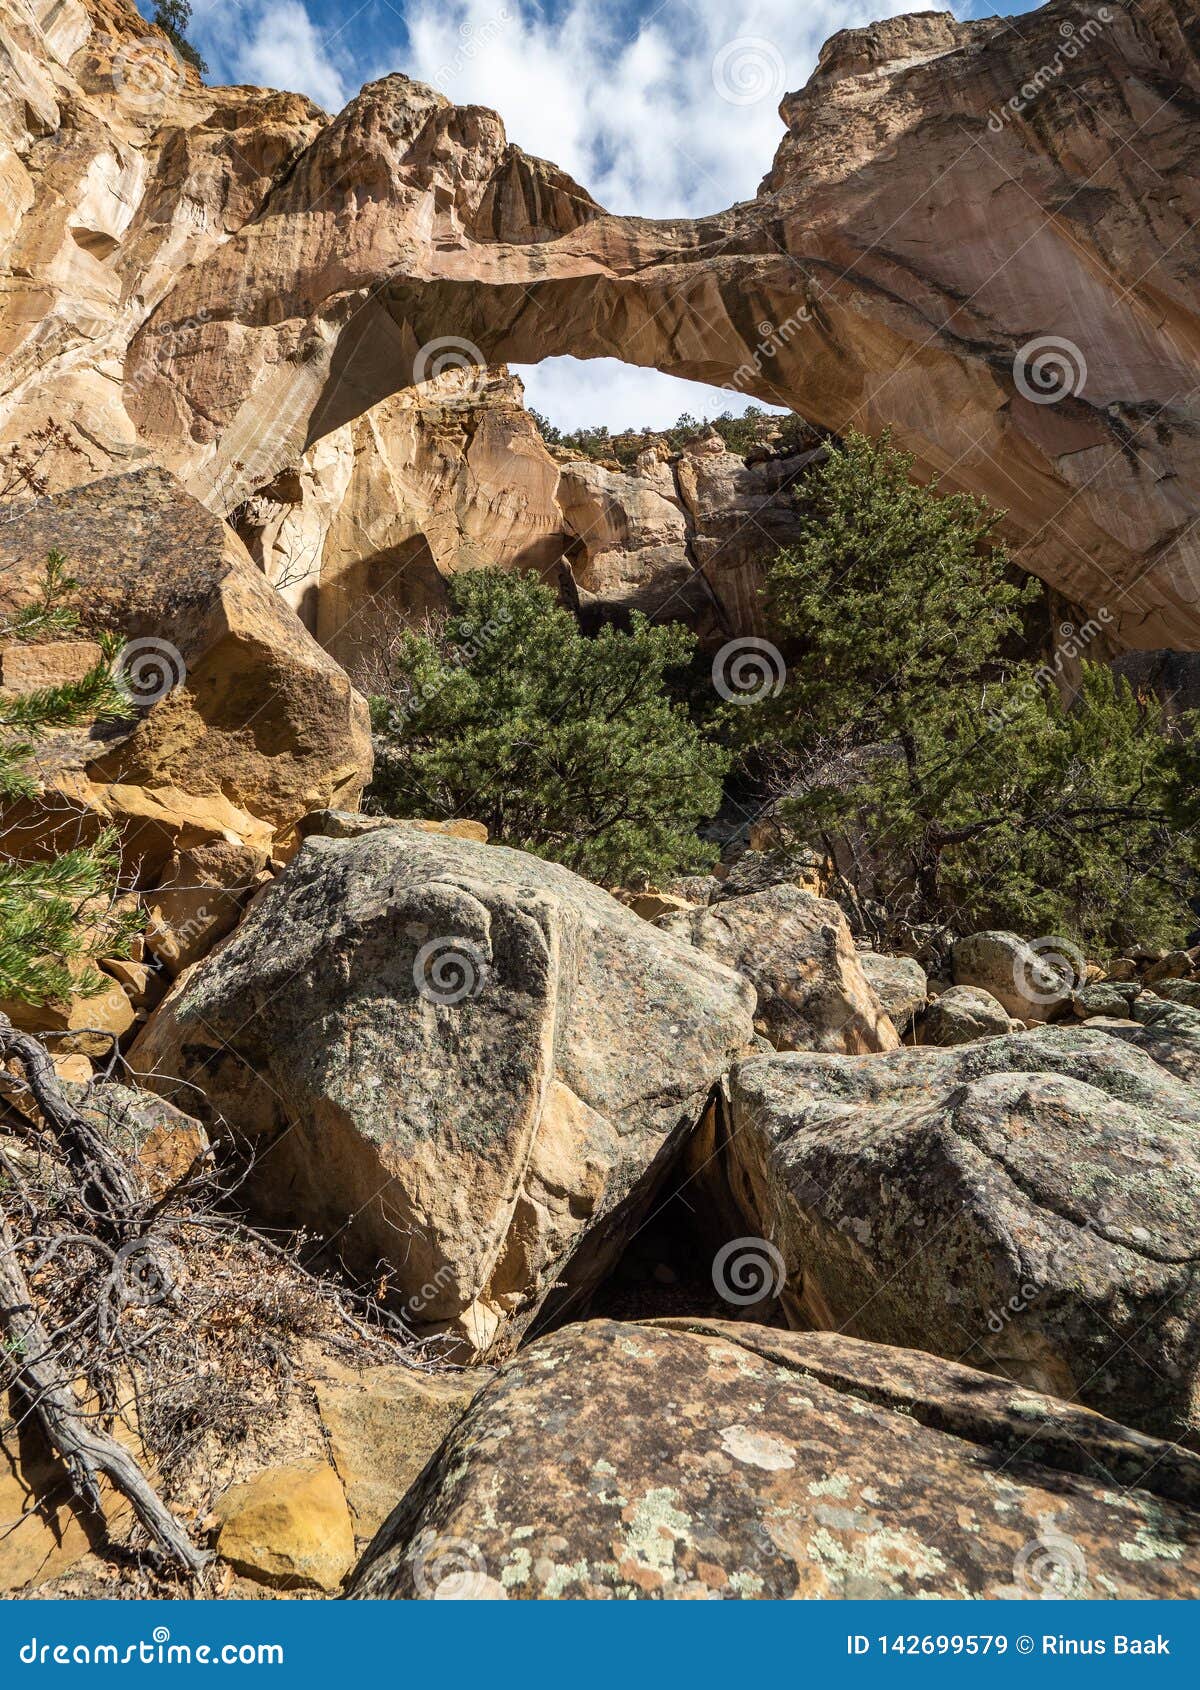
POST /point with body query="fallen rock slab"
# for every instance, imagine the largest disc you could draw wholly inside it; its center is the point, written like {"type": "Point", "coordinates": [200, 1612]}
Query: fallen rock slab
{"type": "Point", "coordinates": [1024, 1204]}
{"type": "Point", "coordinates": [288, 1526]}
{"type": "Point", "coordinates": [706, 1460]}
{"type": "Point", "coordinates": [900, 984]}
{"type": "Point", "coordinates": [235, 702]}
{"type": "Point", "coordinates": [962, 1014]}
{"type": "Point", "coordinates": [383, 1427]}
{"type": "Point", "coordinates": [1034, 981]}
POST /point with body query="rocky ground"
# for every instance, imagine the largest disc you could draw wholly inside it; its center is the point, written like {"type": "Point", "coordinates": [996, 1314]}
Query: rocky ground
{"type": "Point", "coordinates": [513, 1236]}
{"type": "Point", "coordinates": [685, 1205]}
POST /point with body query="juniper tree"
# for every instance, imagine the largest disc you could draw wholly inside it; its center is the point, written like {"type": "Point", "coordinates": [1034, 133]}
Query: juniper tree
{"type": "Point", "coordinates": [564, 745]}
{"type": "Point", "coordinates": [943, 767]}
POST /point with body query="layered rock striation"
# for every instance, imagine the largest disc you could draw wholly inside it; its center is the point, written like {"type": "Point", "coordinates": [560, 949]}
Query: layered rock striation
{"type": "Point", "coordinates": [978, 234]}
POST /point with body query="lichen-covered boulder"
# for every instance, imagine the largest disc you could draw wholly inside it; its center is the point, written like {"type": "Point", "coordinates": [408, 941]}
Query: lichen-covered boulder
{"type": "Point", "coordinates": [708, 1460]}
{"type": "Point", "coordinates": [1033, 981]}
{"type": "Point", "coordinates": [760, 870]}
{"type": "Point", "coordinates": [1168, 1032]}
{"type": "Point", "coordinates": [964, 1013]}
{"type": "Point", "coordinates": [797, 952]}
{"type": "Point", "coordinates": [900, 984]}
{"type": "Point", "coordinates": [1025, 1204]}
{"type": "Point", "coordinates": [467, 1064]}
{"type": "Point", "coordinates": [1106, 997]}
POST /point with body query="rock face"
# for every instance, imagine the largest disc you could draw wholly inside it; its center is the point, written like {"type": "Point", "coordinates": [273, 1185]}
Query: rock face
{"type": "Point", "coordinates": [119, 171]}
{"type": "Point", "coordinates": [453, 475]}
{"type": "Point", "coordinates": [465, 1062]}
{"type": "Point", "coordinates": [787, 1465]}
{"type": "Point", "coordinates": [438, 479]}
{"type": "Point", "coordinates": [225, 277]}
{"type": "Point", "coordinates": [1024, 1204]}
{"type": "Point", "coordinates": [798, 954]}
{"type": "Point", "coordinates": [685, 539]}
{"type": "Point", "coordinates": [239, 722]}
{"type": "Point", "coordinates": [284, 1432]}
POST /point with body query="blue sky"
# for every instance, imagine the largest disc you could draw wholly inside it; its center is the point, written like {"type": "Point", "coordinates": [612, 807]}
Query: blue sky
{"type": "Point", "coordinates": [659, 107]}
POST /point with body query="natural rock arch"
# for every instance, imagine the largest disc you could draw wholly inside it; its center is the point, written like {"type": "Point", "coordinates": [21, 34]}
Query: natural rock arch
{"type": "Point", "coordinates": [914, 237]}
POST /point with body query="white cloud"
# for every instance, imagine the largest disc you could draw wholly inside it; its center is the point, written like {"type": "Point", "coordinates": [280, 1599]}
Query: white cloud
{"type": "Point", "coordinates": [672, 115]}
{"type": "Point", "coordinates": [275, 44]}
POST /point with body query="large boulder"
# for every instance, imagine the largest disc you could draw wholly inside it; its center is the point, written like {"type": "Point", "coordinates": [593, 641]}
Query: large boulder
{"type": "Point", "coordinates": [900, 984]}
{"type": "Point", "coordinates": [460, 1061]}
{"type": "Point", "coordinates": [1168, 1032]}
{"type": "Point", "coordinates": [759, 870]}
{"type": "Point", "coordinates": [242, 722]}
{"type": "Point", "coordinates": [797, 952]}
{"type": "Point", "coordinates": [707, 1460]}
{"type": "Point", "coordinates": [1026, 1204]}
{"type": "Point", "coordinates": [1034, 981]}
{"type": "Point", "coordinates": [965, 1013]}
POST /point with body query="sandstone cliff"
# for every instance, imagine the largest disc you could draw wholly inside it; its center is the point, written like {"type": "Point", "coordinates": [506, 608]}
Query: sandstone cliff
{"type": "Point", "coordinates": [979, 235]}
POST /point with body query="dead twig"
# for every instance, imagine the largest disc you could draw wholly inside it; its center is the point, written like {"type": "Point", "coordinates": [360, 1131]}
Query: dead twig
{"type": "Point", "coordinates": [88, 1453]}
{"type": "Point", "coordinates": [141, 1268]}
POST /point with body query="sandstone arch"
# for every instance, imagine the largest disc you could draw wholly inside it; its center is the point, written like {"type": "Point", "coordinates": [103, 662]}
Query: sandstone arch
{"type": "Point", "coordinates": [906, 245]}
{"type": "Point", "coordinates": [224, 277]}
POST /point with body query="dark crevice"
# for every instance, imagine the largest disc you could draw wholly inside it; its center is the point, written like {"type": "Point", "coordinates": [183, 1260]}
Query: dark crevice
{"type": "Point", "coordinates": [666, 1268]}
